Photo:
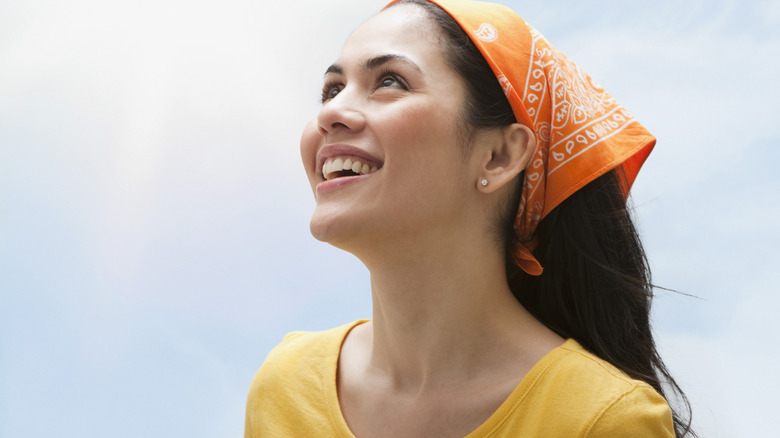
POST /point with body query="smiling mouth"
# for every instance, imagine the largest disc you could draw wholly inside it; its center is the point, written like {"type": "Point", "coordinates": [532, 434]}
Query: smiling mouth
{"type": "Point", "coordinates": [338, 167]}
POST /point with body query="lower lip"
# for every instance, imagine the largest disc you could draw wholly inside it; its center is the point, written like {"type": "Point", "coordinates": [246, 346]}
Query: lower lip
{"type": "Point", "coordinates": [337, 183]}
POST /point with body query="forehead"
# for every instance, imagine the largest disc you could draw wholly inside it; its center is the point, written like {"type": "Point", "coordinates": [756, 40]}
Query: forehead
{"type": "Point", "coordinates": [402, 29]}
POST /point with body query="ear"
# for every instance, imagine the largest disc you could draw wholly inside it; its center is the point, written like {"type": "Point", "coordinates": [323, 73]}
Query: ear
{"type": "Point", "coordinates": [506, 157]}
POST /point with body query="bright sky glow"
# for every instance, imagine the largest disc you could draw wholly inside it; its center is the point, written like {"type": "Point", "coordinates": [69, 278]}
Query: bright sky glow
{"type": "Point", "coordinates": [154, 240]}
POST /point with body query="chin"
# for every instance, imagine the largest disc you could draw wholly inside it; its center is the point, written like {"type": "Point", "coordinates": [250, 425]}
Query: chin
{"type": "Point", "coordinates": [345, 232]}
{"type": "Point", "coordinates": [331, 227]}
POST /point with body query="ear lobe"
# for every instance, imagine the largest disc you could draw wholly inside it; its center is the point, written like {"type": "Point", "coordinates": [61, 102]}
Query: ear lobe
{"type": "Point", "coordinates": [510, 154]}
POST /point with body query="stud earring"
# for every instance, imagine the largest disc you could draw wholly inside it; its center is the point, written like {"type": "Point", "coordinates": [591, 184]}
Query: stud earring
{"type": "Point", "coordinates": [484, 182]}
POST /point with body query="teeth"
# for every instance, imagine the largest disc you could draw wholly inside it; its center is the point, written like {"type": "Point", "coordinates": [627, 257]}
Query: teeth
{"type": "Point", "coordinates": [333, 165]}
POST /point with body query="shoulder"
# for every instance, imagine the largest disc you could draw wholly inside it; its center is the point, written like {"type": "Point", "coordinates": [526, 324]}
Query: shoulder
{"type": "Point", "coordinates": [585, 372]}
{"type": "Point", "coordinates": [303, 345]}
{"type": "Point", "coordinates": [638, 412]}
{"type": "Point", "coordinates": [294, 389]}
{"type": "Point", "coordinates": [302, 354]}
{"type": "Point", "coordinates": [595, 398]}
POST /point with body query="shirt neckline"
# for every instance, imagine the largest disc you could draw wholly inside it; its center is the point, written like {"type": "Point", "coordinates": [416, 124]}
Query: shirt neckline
{"type": "Point", "coordinates": [489, 426]}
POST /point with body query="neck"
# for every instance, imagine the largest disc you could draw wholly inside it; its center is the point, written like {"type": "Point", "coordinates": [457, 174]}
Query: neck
{"type": "Point", "coordinates": [447, 315]}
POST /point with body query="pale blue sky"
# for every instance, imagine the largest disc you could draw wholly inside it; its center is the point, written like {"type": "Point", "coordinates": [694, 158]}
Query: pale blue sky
{"type": "Point", "coordinates": [154, 239]}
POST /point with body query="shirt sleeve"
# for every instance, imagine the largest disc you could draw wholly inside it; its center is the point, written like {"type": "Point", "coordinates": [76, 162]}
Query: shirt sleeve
{"type": "Point", "coordinates": [641, 412]}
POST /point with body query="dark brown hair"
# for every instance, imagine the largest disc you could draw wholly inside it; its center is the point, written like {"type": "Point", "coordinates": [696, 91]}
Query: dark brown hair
{"type": "Point", "coordinates": [596, 286]}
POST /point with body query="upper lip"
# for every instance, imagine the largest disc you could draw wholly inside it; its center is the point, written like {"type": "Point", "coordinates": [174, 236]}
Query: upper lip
{"type": "Point", "coordinates": [340, 150]}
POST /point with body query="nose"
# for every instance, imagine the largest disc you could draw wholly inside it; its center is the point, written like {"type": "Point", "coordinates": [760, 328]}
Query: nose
{"type": "Point", "coordinates": [343, 113]}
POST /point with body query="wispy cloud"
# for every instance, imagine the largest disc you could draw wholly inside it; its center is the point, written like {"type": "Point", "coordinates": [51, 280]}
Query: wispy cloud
{"type": "Point", "coordinates": [154, 212]}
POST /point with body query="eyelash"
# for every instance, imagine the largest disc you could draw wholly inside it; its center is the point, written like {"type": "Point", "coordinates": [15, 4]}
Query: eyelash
{"type": "Point", "coordinates": [384, 74]}
{"type": "Point", "coordinates": [330, 86]}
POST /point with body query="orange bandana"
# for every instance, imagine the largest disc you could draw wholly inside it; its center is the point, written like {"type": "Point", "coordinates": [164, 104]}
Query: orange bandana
{"type": "Point", "coordinates": [581, 131]}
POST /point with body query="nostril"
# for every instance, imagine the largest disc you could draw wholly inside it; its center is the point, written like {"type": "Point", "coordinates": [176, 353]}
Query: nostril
{"type": "Point", "coordinates": [335, 126]}
{"type": "Point", "coordinates": [336, 116]}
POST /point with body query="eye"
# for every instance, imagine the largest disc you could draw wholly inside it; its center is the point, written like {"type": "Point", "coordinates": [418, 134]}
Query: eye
{"type": "Point", "coordinates": [330, 90]}
{"type": "Point", "coordinates": [390, 79]}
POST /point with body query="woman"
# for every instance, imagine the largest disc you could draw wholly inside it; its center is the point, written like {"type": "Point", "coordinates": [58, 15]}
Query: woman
{"type": "Point", "coordinates": [481, 177]}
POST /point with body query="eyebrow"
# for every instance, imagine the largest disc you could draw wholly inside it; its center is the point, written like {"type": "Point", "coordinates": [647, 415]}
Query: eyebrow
{"type": "Point", "coordinates": [375, 62]}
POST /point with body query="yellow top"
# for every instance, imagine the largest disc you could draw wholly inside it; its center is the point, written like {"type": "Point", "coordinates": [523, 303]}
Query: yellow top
{"type": "Point", "coordinates": [569, 393]}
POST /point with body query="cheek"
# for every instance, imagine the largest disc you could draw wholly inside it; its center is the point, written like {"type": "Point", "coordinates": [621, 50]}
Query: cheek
{"type": "Point", "coordinates": [310, 139]}
{"type": "Point", "coordinates": [425, 141]}
{"type": "Point", "coordinates": [425, 133]}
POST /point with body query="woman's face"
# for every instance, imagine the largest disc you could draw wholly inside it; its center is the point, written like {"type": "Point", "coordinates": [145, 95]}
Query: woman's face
{"type": "Point", "coordinates": [390, 113]}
